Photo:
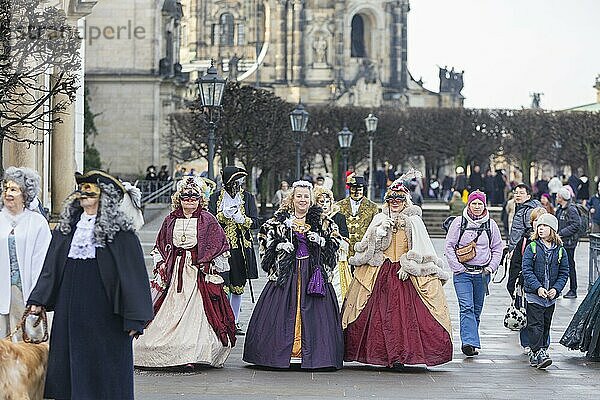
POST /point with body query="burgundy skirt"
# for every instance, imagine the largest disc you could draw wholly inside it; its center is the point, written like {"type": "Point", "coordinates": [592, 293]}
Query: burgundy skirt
{"type": "Point", "coordinates": [396, 327]}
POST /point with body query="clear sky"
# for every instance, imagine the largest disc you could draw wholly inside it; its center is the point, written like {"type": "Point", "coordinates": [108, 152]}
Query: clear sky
{"type": "Point", "coordinates": [509, 49]}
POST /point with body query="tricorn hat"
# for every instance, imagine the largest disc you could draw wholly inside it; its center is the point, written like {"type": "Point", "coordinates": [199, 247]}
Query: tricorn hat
{"type": "Point", "coordinates": [97, 176]}
{"type": "Point", "coordinates": [232, 173]}
{"type": "Point", "coordinates": [353, 180]}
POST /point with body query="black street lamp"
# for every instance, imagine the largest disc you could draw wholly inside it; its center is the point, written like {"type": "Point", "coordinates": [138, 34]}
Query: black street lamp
{"type": "Point", "coordinates": [210, 93]}
{"type": "Point", "coordinates": [371, 124]}
{"type": "Point", "coordinates": [345, 141]}
{"type": "Point", "coordinates": [299, 121]}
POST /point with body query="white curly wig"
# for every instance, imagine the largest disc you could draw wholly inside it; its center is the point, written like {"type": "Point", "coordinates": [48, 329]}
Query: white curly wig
{"type": "Point", "coordinates": [28, 180]}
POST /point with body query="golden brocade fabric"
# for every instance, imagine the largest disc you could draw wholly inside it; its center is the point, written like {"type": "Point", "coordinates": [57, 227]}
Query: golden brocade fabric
{"type": "Point", "coordinates": [357, 224]}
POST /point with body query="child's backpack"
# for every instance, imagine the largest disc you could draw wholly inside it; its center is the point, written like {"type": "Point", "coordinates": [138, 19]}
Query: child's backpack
{"type": "Point", "coordinates": [533, 247]}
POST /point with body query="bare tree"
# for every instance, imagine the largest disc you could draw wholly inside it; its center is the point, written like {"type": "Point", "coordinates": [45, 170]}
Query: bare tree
{"type": "Point", "coordinates": [38, 63]}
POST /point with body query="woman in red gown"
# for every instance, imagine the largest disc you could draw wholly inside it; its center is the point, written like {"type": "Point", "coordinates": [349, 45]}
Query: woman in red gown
{"type": "Point", "coordinates": [395, 312]}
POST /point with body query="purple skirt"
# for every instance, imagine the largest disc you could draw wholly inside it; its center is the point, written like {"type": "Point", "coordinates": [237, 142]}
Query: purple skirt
{"type": "Point", "coordinates": [270, 333]}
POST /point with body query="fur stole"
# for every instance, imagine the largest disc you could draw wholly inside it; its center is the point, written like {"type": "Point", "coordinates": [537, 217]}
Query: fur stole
{"type": "Point", "coordinates": [280, 264]}
{"type": "Point", "coordinates": [420, 260]}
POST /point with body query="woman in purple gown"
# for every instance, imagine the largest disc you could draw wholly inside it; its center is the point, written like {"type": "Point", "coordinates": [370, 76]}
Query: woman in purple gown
{"type": "Point", "coordinates": [291, 323]}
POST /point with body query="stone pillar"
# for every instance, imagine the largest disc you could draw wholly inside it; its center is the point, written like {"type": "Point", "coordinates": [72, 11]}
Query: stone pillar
{"type": "Point", "coordinates": [280, 40]}
{"type": "Point", "coordinates": [404, 46]}
{"type": "Point", "coordinates": [396, 45]}
{"type": "Point", "coordinates": [63, 166]}
{"type": "Point", "coordinates": [338, 40]}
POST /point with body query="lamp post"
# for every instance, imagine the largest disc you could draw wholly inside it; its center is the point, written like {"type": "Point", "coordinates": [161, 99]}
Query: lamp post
{"type": "Point", "coordinates": [210, 92]}
{"type": "Point", "coordinates": [299, 122]}
{"type": "Point", "coordinates": [345, 141]}
{"type": "Point", "coordinates": [371, 124]}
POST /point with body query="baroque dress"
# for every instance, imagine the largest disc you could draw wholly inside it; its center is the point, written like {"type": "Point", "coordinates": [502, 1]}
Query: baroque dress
{"type": "Point", "coordinates": [98, 294]}
{"type": "Point", "coordinates": [583, 333]}
{"type": "Point", "coordinates": [193, 322]}
{"type": "Point", "coordinates": [287, 324]}
{"type": "Point", "coordinates": [395, 310]}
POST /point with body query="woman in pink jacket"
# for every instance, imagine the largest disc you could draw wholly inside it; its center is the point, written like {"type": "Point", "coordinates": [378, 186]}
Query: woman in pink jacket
{"type": "Point", "coordinates": [476, 229]}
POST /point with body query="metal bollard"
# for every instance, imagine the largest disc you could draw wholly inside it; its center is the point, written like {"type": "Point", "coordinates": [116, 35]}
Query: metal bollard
{"type": "Point", "coordinates": [594, 261]}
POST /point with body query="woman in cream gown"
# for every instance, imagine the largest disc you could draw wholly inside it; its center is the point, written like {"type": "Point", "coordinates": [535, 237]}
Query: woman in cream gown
{"type": "Point", "coordinates": [193, 322]}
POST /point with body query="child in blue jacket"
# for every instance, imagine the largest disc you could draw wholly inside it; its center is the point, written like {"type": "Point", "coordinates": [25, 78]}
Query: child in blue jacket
{"type": "Point", "coordinates": [545, 273]}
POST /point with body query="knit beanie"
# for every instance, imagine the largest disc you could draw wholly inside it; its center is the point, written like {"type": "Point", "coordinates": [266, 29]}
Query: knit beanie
{"type": "Point", "coordinates": [546, 219]}
{"type": "Point", "coordinates": [477, 195]}
{"type": "Point", "coordinates": [564, 193]}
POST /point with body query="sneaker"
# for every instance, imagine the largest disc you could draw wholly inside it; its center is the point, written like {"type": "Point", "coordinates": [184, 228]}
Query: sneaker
{"type": "Point", "coordinates": [526, 350]}
{"type": "Point", "coordinates": [469, 350]}
{"type": "Point", "coordinates": [543, 359]}
{"type": "Point", "coordinates": [533, 360]}
{"type": "Point", "coordinates": [238, 330]}
{"type": "Point", "coordinates": [570, 295]}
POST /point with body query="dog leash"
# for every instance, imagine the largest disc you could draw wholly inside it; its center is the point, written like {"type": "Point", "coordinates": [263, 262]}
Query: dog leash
{"type": "Point", "coordinates": [42, 319]}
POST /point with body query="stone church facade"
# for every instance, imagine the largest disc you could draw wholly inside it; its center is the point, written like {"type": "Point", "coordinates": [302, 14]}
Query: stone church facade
{"type": "Point", "coordinates": [346, 52]}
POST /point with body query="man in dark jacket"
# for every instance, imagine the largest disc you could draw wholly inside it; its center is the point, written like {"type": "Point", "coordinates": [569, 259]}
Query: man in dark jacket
{"type": "Point", "coordinates": [594, 205]}
{"type": "Point", "coordinates": [521, 224]}
{"type": "Point", "coordinates": [475, 179]}
{"type": "Point", "coordinates": [569, 222]}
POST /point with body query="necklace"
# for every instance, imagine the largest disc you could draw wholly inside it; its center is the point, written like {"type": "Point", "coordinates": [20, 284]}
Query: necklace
{"type": "Point", "coordinates": [183, 237]}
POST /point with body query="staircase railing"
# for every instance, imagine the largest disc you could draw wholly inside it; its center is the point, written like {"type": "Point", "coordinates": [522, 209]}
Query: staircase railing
{"type": "Point", "coordinates": [156, 191]}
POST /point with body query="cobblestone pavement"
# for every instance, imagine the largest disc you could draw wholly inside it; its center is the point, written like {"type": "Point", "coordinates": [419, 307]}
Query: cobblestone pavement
{"type": "Point", "coordinates": [501, 371]}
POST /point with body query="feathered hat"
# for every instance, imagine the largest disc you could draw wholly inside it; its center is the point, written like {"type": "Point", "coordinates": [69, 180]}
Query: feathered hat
{"type": "Point", "coordinates": [398, 188]}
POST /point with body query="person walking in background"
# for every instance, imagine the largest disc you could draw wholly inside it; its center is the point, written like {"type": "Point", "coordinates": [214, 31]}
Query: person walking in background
{"type": "Point", "coordinates": [546, 201]}
{"type": "Point", "coordinates": [474, 228]}
{"type": "Point", "coordinates": [460, 182]}
{"type": "Point", "coordinates": [163, 174]}
{"type": "Point", "coordinates": [541, 187]}
{"type": "Point", "coordinates": [524, 204]}
{"type": "Point", "coordinates": [280, 194]}
{"type": "Point", "coordinates": [594, 204]}
{"type": "Point", "coordinates": [545, 273]}
{"type": "Point", "coordinates": [24, 240]}
{"type": "Point", "coordinates": [475, 179]}
{"type": "Point", "coordinates": [499, 188]}
{"type": "Point", "coordinates": [575, 182]}
{"type": "Point", "coordinates": [583, 194]}
{"type": "Point", "coordinates": [488, 186]}
{"type": "Point", "coordinates": [554, 186]}
{"type": "Point", "coordinates": [456, 204]}
{"type": "Point", "coordinates": [569, 223]}
{"type": "Point", "coordinates": [447, 184]}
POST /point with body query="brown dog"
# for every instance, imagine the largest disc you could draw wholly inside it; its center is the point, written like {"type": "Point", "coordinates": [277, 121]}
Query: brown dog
{"type": "Point", "coordinates": [22, 370]}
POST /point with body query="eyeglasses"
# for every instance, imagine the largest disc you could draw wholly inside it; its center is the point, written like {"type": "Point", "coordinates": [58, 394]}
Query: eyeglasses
{"type": "Point", "coordinates": [189, 197]}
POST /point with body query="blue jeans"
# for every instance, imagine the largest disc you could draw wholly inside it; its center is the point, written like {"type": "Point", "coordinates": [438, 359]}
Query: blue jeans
{"type": "Point", "coordinates": [470, 291]}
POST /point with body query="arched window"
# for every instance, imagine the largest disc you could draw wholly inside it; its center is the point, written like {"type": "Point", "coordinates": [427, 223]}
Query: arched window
{"type": "Point", "coordinates": [357, 37]}
{"type": "Point", "coordinates": [227, 26]}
